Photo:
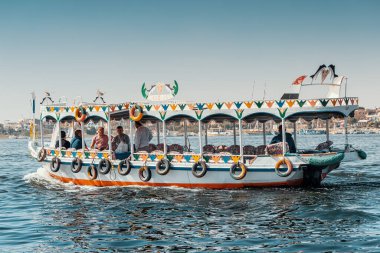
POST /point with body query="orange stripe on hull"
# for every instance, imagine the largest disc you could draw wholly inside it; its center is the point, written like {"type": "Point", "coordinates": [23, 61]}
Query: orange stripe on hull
{"type": "Point", "coordinates": [101, 183]}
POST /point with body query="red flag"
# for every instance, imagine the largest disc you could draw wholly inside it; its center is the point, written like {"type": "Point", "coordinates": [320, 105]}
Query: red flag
{"type": "Point", "coordinates": [299, 80]}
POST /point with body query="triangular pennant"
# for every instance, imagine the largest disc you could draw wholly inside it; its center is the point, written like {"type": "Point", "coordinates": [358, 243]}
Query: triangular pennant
{"type": "Point", "coordinates": [239, 113]}
{"type": "Point", "coordinates": [206, 158]}
{"type": "Point", "coordinates": [210, 106]}
{"type": "Point", "coordinates": [148, 107]}
{"type": "Point", "coordinates": [235, 158]}
{"type": "Point", "coordinates": [290, 103]}
{"type": "Point", "coordinates": [226, 158]}
{"type": "Point", "coordinates": [312, 102]}
{"type": "Point", "coordinates": [280, 103]}
{"type": "Point", "coordinates": [269, 103]}
{"type": "Point", "coordinates": [324, 102]}
{"type": "Point", "coordinates": [165, 107]}
{"type": "Point", "coordinates": [216, 158]}
{"type": "Point", "coordinates": [162, 114]}
{"type": "Point", "coordinates": [282, 112]}
{"type": "Point", "coordinates": [259, 103]}
{"type": "Point", "coordinates": [187, 158]}
{"type": "Point", "coordinates": [219, 105]}
{"type": "Point", "coordinates": [182, 106]}
{"type": "Point", "coordinates": [173, 106]}
{"type": "Point", "coordinates": [200, 106]}
{"type": "Point", "coordinates": [152, 157]}
{"type": "Point", "coordinates": [198, 113]}
{"type": "Point", "coordinates": [179, 158]}
{"type": "Point", "coordinates": [136, 156]}
{"type": "Point", "coordinates": [170, 157]}
{"type": "Point", "coordinates": [238, 104]}
{"type": "Point", "coordinates": [301, 102]}
{"type": "Point", "coordinates": [196, 158]}
{"type": "Point", "coordinates": [248, 104]}
{"type": "Point", "coordinates": [229, 104]}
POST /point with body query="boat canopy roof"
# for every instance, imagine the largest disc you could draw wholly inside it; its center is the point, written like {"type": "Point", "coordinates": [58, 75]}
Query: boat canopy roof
{"type": "Point", "coordinates": [251, 110]}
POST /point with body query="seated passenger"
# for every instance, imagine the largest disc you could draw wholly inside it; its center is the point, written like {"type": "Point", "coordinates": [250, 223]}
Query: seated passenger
{"type": "Point", "coordinates": [121, 144]}
{"type": "Point", "coordinates": [76, 142]}
{"type": "Point", "coordinates": [142, 137]}
{"type": "Point", "coordinates": [65, 143]}
{"type": "Point", "coordinates": [288, 139]}
{"type": "Point", "coordinates": [100, 140]}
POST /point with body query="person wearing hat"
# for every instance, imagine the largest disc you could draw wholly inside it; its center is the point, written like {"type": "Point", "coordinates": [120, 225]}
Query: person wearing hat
{"type": "Point", "coordinates": [65, 143]}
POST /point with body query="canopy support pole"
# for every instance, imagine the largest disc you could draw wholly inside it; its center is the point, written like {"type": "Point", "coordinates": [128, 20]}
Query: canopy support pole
{"type": "Point", "coordinates": [164, 136]}
{"type": "Point", "coordinates": [132, 140]}
{"type": "Point", "coordinates": [327, 130]}
{"type": "Point", "coordinates": [295, 133]}
{"type": "Point", "coordinates": [82, 130]}
{"type": "Point", "coordinates": [241, 140]}
{"type": "Point", "coordinates": [206, 137]}
{"type": "Point", "coordinates": [59, 134]}
{"type": "Point", "coordinates": [109, 136]}
{"type": "Point", "coordinates": [264, 133]}
{"type": "Point", "coordinates": [185, 133]}
{"type": "Point", "coordinates": [283, 137]}
{"type": "Point", "coordinates": [234, 131]}
{"type": "Point", "coordinates": [158, 132]}
{"type": "Point", "coordinates": [200, 137]}
{"type": "Point", "coordinates": [42, 133]}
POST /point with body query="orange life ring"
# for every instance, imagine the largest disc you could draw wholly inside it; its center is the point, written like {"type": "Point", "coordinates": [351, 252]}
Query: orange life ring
{"type": "Point", "coordinates": [80, 114]}
{"type": "Point", "coordinates": [132, 112]}
{"type": "Point", "coordinates": [288, 164]}
{"type": "Point", "coordinates": [235, 167]}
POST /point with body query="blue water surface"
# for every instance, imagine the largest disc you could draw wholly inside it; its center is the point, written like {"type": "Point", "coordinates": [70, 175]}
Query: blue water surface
{"type": "Point", "coordinates": [38, 214]}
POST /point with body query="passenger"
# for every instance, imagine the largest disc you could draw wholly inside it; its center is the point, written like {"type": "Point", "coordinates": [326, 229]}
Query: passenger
{"type": "Point", "coordinates": [142, 137]}
{"type": "Point", "coordinates": [121, 144]}
{"type": "Point", "coordinates": [76, 142]}
{"type": "Point", "coordinates": [100, 140]}
{"type": "Point", "coordinates": [288, 139]}
{"type": "Point", "coordinates": [65, 143]}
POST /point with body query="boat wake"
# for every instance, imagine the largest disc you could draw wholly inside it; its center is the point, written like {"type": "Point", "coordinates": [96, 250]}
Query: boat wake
{"type": "Point", "coordinates": [41, 178]}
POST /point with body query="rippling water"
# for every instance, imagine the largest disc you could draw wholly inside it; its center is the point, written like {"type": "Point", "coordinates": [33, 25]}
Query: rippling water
{"type": "Point", "coordinates": [41, 215]}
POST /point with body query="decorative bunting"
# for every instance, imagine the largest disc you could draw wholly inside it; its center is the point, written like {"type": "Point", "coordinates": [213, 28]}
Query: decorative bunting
{"type": "Point", "coordinates": [198, 113]}
{"type": "Point", "coordinates": [200, 106]}
{"type": "Point", "coordinates": [196, 158]}
{"type": "Point", "coordinates": [269, 103]}
{"type": "Point", "coordinates": [290, 103]}
{"type": "Point", "coordinates": [235, 158]}
{"type": "Point", "coordinates": [259, 103]}
{"type": "Point", "coordinates": [239, 113]}
{"type": "Point", "coordinates": [187, 158]}
{"type": "Point", "coordinates": [312, 103]}
{"type": "Point", "coordinates": [280, 103]}
{"type": "Point", "coordinates": [248, 104]}
{"type": "Point", "coordinates": [301, 102]}
{"type": "Point", "coordinates": [216, 158]}
{"type": "Point", "coordinates": [229, 104]}
{"type": "Point", "coordinates": [238, 104]}
{"type": "Point", "coordinates": [210, 106]}
{"type": "Point", "coordinates": [282, 112]}
{"type": "Point", "coordinates": [324, 102]}
{"type": "Point", "coordinates": [219, 105]}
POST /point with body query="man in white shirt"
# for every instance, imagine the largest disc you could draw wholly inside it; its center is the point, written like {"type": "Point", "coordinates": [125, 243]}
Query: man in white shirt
{"type": "Point", "coordinates": [142, 137]}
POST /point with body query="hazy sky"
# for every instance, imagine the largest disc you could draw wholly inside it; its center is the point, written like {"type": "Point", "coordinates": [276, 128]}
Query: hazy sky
{"type": "Point", "coordinates": [216, 50]}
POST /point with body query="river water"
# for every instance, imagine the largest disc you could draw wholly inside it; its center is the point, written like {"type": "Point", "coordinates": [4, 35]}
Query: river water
{"type": "Point", "coordinates": [39, 214]}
